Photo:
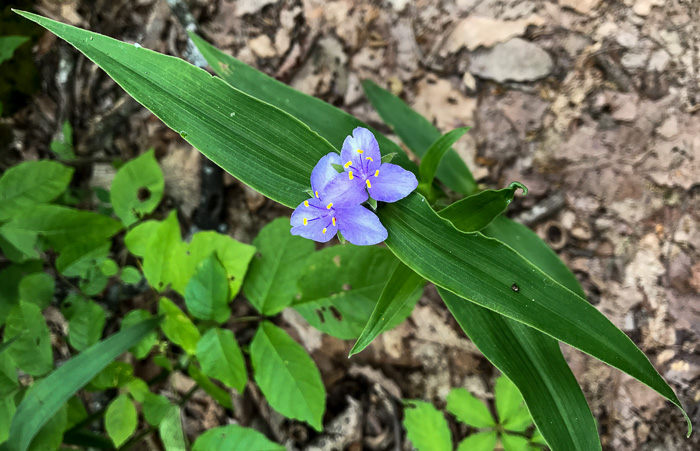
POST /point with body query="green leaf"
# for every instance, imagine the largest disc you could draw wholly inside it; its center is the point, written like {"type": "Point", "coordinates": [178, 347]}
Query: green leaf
{"type": "Point", "coordinates": [514, 443]}
{"type": "Point", "coordinates": [533, 361]}
{"type": "Point", "coordinates": [31, 183]}
{"type": "Point", "coordinates": [138, 238]}
{"type": "Point", "coordinates": [177, 327]}
{"type": "Point", "coordinates": [94, 282]}
{"type": "Point", "coordinates": [483, 270]}
{"type": "Point", "coordinates": [137, 188]}
{"type": "Point", "coordinates": [7, 410]}
{"type": "Point", "coordinates": [155, 408]}
{"type": "Point", "coordinates": [403, 289]}
{"type": "Point", "coordinates": [115, 375]}
{"type": "Point", "coordinates": [287, 376]}
{"type": "Point", "coordinates": [75, 412]}
{"type": "Point", "coordinates": [121, 419]}
{"type": "Point", "coordinates": [234, 255]}
{"type": "Point", "coordinates": [468, 409]}
{"type": "Point", "coordinates": [131, 275]}
{"type": "Point", "coordinates": [221, 358]}
{"type": "Point", "coordinates": [340, 287]}
{"type": "Point", "coordinates": [77, 258]}
{"type": "Point", "coordinates": [37, 288]}
{"type": "Point", "coordinates": [142, 349]}
{"type": "Point", "coordinates": [220, 395]}
{"type": "Point", "coordinates": [51, 434]}
{"type": "Point", "coordinates": [206, 295]}
{"type": "Point", "coordinates": [481, 441]}
{"type": "Point", "coordinates": [64, 148]}
{"type": "Point", "coordinates": [419, 134]}
{"type": "Point", "coordinates": [109, 267]}
{"type": "Point", "coordinates": [271, 282]}
{"type": "Point", "coordinates": [18, 245]}
{"type": "Point", "coordinates": [475, 212]}
{"type": "Point", "coordinates": [32, 350]}
{"type": "Point", "coordinates": [171, 432]}
{"type": "Point", "coordinates": [63, 226]}
{"type": "Point", "coordinates": [8, 375]}
{"type": "Point", "coordinates": [138, 389]}
{"type": "Point", "coordinates": [85, 327]}
{"type": "Point", "coordinates": [537, 438]}
{"type": "Point", "coordinates": [330, 122]}
{"type": "Point", "coordinates": [164, 254]}
{"type": "Point", "coordinates": [510, 405]}
{"type": "Point", "coordinates": [8, 45]}
{"type": "Point", "coordinates": [426, 427]}
{"type": "Point", "coordinates": [430, 161]}
{"type": "Point", "coordinates": [234, 438]}
{"type": "Point", "coordinates": [45, 397]}
{"type": "Point", "coordinates": [9, 285]}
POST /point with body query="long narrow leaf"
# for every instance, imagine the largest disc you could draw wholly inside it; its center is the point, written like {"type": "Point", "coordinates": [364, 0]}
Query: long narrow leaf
{"type": "Point", "coordinates": [419, 134]}
{"type": "Point", "coordinates": [399, 290]}
{"type": "Point", "coordinates": [46, 397]}
{"type": "Point", "coordinates": [535, 364]}
{"type": "Point", "coordinates": [430, 161]}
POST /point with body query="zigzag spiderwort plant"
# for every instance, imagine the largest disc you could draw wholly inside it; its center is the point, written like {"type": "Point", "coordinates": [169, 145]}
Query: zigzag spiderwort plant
{"type": "Point", "coordinates": [519, 331]}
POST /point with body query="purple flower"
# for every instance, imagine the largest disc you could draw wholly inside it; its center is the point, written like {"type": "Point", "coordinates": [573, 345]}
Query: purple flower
{"type": "Point", "coordinates": [336, 207]}
{"type": "Point", "coordinates": [364, 168]}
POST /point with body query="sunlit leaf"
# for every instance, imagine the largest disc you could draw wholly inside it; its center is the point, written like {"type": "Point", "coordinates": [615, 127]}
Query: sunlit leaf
{"type": "Point", "coordinates": [221, 358]}
{"type": "Point", "coordinates": [426, 427]}
{"type": "Point", "coordinates": [234, 438]}
{"type": "Point", "coordinates": [206, 295]}
{"type": "Point", "coordinates": [32, 350]}
{"type": "Point", "coordinates": [121, 419]}
{"type": "Point", "coordinates": [31, 183]}
{"type": "Point", "coordinates": [171, 432]}
{"type": "Point", "coordinates": [468, 409]}
{"type": "Point", "coordinates": [430, 161]}
{"type": "Point", "coordinates": [85, 327]}
{"type": "Point", "coordinates": [481, 441]}
{"type": "Point", "coordinates": [177, 326]}
{"type": "Point", "coordinates": [512, 411]}
{"type": "Point", "coordinates": [137, 188]}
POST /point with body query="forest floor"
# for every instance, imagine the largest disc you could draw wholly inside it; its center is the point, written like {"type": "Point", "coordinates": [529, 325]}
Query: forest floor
{"type": "Point", "coordinates": [593, 105]}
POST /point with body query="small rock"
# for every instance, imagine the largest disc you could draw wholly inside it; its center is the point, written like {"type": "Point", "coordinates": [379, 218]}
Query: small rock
{"type": "Point", "coordinates": [516, 60]}
{"type": "Point", "coordinates": [623, 106]}
{"type": "Point", "coordinates": [251, 6]}
{"type": "Point", "coordinates": [680, 273]}
{"type": "Point", "coordinates": [262, 46]}
{"type": "Point", "coordinates": [669, 128]}
{"type": "Point", "coordinates": [659, 60]}
{"type": "Point", "coordinates": [695, 277]}
{"type": "Point", "coordinates": [474, 31]}
{"type": "Point", "coordinates": [643, 7]}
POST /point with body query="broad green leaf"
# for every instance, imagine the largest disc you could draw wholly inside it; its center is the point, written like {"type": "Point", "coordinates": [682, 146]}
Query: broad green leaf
{"type": "Point", "coordinates": [177, 326]}
{"type": "Point", "coordinates": [63, 226]}
{"type": "Point", "coordinates": [8, 45]}
{"type": "Point", "coordinates": [234, 438]}
{"type": "Point", "coordinates": [137, 188]}
{"type": "Point", "coordinates": [419, 134]}
{"type": "Point", "coordinates": [75, 412]}
{"type": "Point", "coordinates": [18, 245]}
{"type": "Point", "coordinates": [115, 375]}
{"type": "Point", "coordinates": [155, 408]}
{"type": "Point", "coordinates": [32, 350]}
{"type": "Point", "coordinates": [537, 437]}
{"type": "Point", "coordinates": [206, 295]}
{"type": "Point", "coordinates": [109, 267]}
{"type": "Point", "coordinates": [7, 410]}
{"type": "Point", "coordinates": [138, 238]}
{"type": "Point", "coordinates": [403, 289]}
{"type": "Point", "coordinates": [8, 375]}
{"type": "Point", "coordinates": [142, 349]}
{"type": "Point", "coordinates": [514, 443]}
{"type": "Point", "coordinates": [287, 376]}
{"type": "Point", "coordinates": [10, 278]}
{"type": "Point", "coordinates": [234, 255]}
{"type": "Point", "coordinates": [51, 434]}
{"type": "Point", "coordinates": [171, 432]}
{"type": "Point", "coordinates": [76, 259]}
{"type": "Point", "coordinates": [131, 275]}
{"type": "Point", "coordinates": [85, 327]}
{"type": "Point", "coordinates": [510, 405]}
{"type": "Point", "coordinates": [483, 270]}
{"type": "Point", "coordinates": [37, 288]}
{"type": "Point", "coordinates": [121, 419]}
{"type": "Point", "coordinates": [220, 395]}
{"type": "Point", "coordinates": [430, 161]}
{"type": "Point", "coordinates": [221, 358]}
{"type": "Point", "coordinates": [271, 282]}
{"type": "Point", "coordinates": [71, 303]}
{"type": "Point", "coordinates": [330, 122]}
{"type": "Point", "coordinates": [94, 282]}
{"type": "Point", "coordinates": [533, 361]}
{"type": "Point", "coordinates": [164, 254]}
{"type": "Point", "coordinates": [468, 409]}
{"type": "Point", "coordinates": [138, 389]}
{"type": "Point", "coordinates": [340, 287]}
{"type": "Point", "coordinates": [45, 397]}
{"type": "Point", "coordinates": [481, 441]}
{"type": "Point", "coordinates": [426, 427]}
{"type": "Point", "coordinates": [31, 183]}
{"type": "Point", "coordinates": [475, 212]}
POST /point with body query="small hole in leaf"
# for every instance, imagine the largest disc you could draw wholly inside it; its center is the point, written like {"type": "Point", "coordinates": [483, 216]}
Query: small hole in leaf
{"type": "Point", "coordinates": [336, 314]}
{"type": "Point", "coordinates": [143, 194]}
{"type": "Point", "coordinates": [320, 316]}
{"type": "Point", "coordinates": [67, 304]}
{"type": "Point", "coordinates": [231, 278]}
{"type": "Point", "coordinates": [37, 340]}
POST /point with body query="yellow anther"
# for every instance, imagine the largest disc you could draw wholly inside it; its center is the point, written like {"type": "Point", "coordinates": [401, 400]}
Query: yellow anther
{"type": "Point", "coordinates": [369, 185]}
{"type": "Point", "coordinates": [324, 231]}
{"type": "Point", "coordinates": [333, 221]}
{"type": "Point", "coordinates": [306, 221]}
{"type": "Point", "coordinates": [316, 192]}
{"type": "Point", "coordinates": [348, 164]}
{"type": "Point", "coordinates": [350, 175]}
{"type": "Point", "coordinates": [329, 205]}
{"type": "Point", "coordinates": [306, 203]}
{"type": "Point", "coordinates": [376, 173]}
{"type": "Point", "coordinates": [360, 151]}
{"type": "Point", "coordinates": [369, 158]}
